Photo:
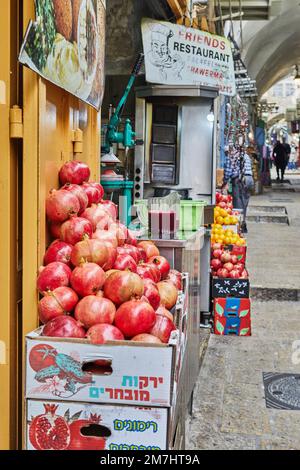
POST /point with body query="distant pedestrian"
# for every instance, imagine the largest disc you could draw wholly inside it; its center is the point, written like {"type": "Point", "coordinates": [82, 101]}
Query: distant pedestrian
{"type": "Point", "coordinates": [280, 159]}
{"type": "Point", "coordinates": [288, 151]}
{"type": "Point", "coordinates": [238, 171]}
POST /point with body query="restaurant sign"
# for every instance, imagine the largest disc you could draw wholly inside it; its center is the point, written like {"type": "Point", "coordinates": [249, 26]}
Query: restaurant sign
{"type": "Point", "coordinates": [176, 55]}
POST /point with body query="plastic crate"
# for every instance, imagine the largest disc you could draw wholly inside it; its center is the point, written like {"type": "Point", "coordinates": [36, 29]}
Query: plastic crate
{"type": "Point", "coordinates": [191, 215]}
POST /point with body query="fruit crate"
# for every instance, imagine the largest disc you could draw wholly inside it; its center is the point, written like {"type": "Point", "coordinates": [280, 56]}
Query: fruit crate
{"type": "Point", "coordinates": [85, 426]}
{"type": "Point", "coordinates": [191, 215]}
{"type": "Point", "coordinates": [232, 316]}
{"type": "Point", "coordinates": [121, 372]}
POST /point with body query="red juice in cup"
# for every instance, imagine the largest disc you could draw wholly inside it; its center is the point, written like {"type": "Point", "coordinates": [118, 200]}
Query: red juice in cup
{"type": "Point", "coordinates": [162, 223]}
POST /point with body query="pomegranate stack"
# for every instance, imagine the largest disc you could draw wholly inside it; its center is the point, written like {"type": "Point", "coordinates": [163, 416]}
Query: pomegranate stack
{"type": "Point", "coordinates": [102, 294]}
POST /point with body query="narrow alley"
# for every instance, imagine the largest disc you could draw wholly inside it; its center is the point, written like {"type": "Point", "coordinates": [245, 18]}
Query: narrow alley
{"type": "Point", "coordinates": [229, 404]}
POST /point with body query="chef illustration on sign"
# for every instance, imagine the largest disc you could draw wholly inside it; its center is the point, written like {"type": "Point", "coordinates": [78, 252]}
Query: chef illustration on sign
{"type": "Point", "coordinates": [160, 55]}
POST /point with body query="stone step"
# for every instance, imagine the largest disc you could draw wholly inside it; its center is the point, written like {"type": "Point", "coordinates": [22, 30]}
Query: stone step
{"type": "Point", "coordinates": [275, 293]}
{"type": "Point", "coordinates": [268, 219]}
{"type": "Point", "coordinates": [263, 209]}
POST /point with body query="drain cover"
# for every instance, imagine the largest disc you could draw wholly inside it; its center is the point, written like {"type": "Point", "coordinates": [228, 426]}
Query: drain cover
{"type": "Point", "coordinates": [282, 391]}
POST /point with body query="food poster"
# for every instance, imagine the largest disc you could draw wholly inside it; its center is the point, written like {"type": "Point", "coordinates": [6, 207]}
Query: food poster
{"type": "Point", "coordinates": [66, 45]}
{"type": "Point", "coordinates": [83, 426]}
{"type": "Point", "coordinates": [176, 55]}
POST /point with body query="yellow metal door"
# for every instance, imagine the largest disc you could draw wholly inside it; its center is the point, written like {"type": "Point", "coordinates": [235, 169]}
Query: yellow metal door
{"type": "Point", "coordinates": [28, 170]}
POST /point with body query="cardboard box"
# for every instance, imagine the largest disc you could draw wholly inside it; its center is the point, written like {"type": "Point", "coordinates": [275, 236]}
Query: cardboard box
{"type": "Point", "coordinates": [227, 287]}
{"type": "Point", "coordinates": [115, 427]}
{"type": "Point", "coordinates": [129, 372]}
{"type": "Point", "coordinates": [232, 316]}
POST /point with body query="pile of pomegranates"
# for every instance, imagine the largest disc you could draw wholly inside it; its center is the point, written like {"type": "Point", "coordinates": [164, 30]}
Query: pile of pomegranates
{"type": "Point", "coordinates": [224, 264]}
{"type": "Point", "coordinates": [97, 281]}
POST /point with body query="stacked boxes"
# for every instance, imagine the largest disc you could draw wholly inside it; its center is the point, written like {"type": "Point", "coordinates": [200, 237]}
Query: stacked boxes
{"type": "Point", "coordinates": [123, 391]}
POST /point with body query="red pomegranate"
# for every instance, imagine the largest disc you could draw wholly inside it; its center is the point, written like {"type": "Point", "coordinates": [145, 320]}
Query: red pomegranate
{"type": "Point", "coordinates": [111, 256]}
{"type": "Point", "coordinates": [63, 327]}
{"type": "Point", "coordinates": [98, 217]}
{"type": "Point", "coordinates": [80, 441]}
{"type": "Point", "coordinates": [57, 302]}
{"type": "Point", "coordinates": [143, 255]}
{"type": "Point", "coordinates": [49, 431]}
{"type": "Point", "coordinates": [60, 205]}
{"type": "Point", "coordinates": [216, 264]}
{"type": "Point", "coordinates": [76, 229]}
{"type": "Point", "coordinates": [120, 232]}
{"type": "Point", "coordinates": [110, 271]}
{"type": "Point", "coordinates": [87, 279]}
{"type": "Point", "coordinates": [135, 317]}
{"type": "Point", "coordinates": [146, 338]}
{"type": "Point", "coordinates": [149, 248]}
{"type": "Point", "coordinates": [148, 271]}
{"type": "Point", "coordinates": [162, 264]}
{"type": "Point", "coordinates": [98, 186]}
{"type": "Point", "coordinates": [168, 294]}
{"type": "Point", "coordinates": [131, 239]}
{"type": "Point", "coordinates": [151, 293]}
{"type": "Point", "coordinates": [163, 328]}
{"type": "Point", "coordinates": [79, 193]}
{"type": "Point", "coordinates": [110, 208]}
{"type": "Point", "coordinates": [101, 333]}
{"type": "Point", "coordinates": [74, 172]}
{"type": "Point", "coordinates": [92, 251]}
{"type": "Point", "coordinates": [58, 251]}
{"type": "Point", "coordinates": [93, 193]}
{"type": "Point", "coordinates": [54, 229]}
{"type": "Point", "coordinates": [121, 286]}
{"type": "Point", "coordinates": [52, 276]}
{"type": "Point", "coordinates": [106, 236]}
{"type": "Point", "coordinates": [42, 356]}
{"type": "Point", "coordinates": [161, 310]}
{"type": "Point", "coordinates": [176, 278]}
{"type": "Point", "coordinates": [93, 309]}
{"type": "Point", "coordinates": [125, 262]}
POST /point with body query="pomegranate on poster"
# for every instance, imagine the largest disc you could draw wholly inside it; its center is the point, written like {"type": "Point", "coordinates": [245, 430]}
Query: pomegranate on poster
{"type": "Point", "coordinates": [148, 271]}
{"type": "Point", "coordinates": [101, 333]}
{"type": "Point", "coordinates": [176, 278]}
{"type": "Point", "coordinates": [161, 310]}
{"type": "Point", "coordinates": [149, 248]}
{"type": "Point", "coordinates": [98, 217]}
{"type": "Point", "coordinates": [135, 317]}
{"type": "Point", "coordinates": [106, 236]}
{"type": "Point", "coordinates": [81, 441]}
{"type": "Point", "coordinates": [93, 309]}
{"type": "Point", "coordinates": [162, 264]}
{"type": "Point", "coordinates": [87, 279]}
{"type": "Point", "coordinates": [151, 293]}
{"type": "Point", "coordinates": [58, 251]}
{"type": "Point", "coordinates": [58, 302]}
{"type": "Point", "coordinates": [163, 328]}
{"type": "Point", "coordinates": [60, 205]}
{"type": "Point", "coordinates": [53, 275]}
{"type": "Point", "coordinates": [92, 251]}
{"type": "Point", "coordinates": [42, 356]}
{"type": "Point", "coordinates": [63, 327]}
{"type": "Point", "coordinates": [125, 262]}
{"type": "Point", "coordinates": [111, 208]}
{"type": "Point", "coordinates": [49, 431]}
{"type": "Point", "coordinates": [76, 229]}
{"type": "Point", "coordinates": [168, 294]}
{"type": "Point", "coordinates": [93, 193]}
{"type": "Point", "coordinates": [74, 172]}
{"type": "Point", "coordinates": [146, 338]}
{"type": "Point", "coordinates": [121, 286]}
{"type": "Point", "coordinates": [79, 193]}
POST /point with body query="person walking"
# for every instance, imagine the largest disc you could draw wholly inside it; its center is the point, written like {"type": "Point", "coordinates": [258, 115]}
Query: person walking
{"type": "Point", "coordinates": [238, 171]}
{"type": "Point", "coordinates": [280, 159]}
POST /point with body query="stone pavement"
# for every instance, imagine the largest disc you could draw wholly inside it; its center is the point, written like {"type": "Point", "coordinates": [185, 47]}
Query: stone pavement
{"type": "Point", "coordinates": [229, 405]}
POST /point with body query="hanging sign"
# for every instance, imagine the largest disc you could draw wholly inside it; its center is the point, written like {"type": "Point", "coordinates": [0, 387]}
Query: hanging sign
{"type": "Point", "coordinates": [176, 55]}
{"type": "Point", "coordinates": [66, 45]}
